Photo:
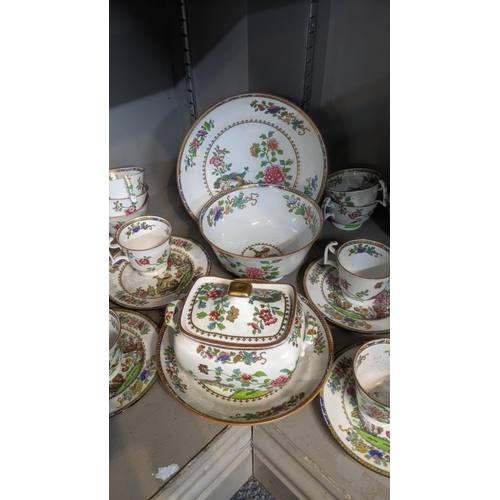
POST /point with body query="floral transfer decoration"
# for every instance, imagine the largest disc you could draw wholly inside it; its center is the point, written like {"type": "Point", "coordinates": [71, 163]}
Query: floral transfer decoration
{"type": "Point", "coordinates": [271, 412]}
{"type": "Point", "coordinates": [339, 407]}
{"type": "Point", "coordinates": [141, 381]}
{"type": "Point", "coordinates": [136, 227]}
{"type": "Point", "coordinates": [195, 144]}
{"type": "Point", "coordinates": [363, 248]}
{"type": "Point", "coordinates": [258, 380]}
{"type": "Point", "coordinates": [268, 269]}
{"type": "Point", "coordinates": [227, 206]}
{"type": "Point", "coordinates": [305, 211]}
{"type": "Point", "coordinates": [172, 369]}
{"type": "Point", "coordinates": [277, 171]}
{"type": "Point", "coordinates": [118, 207]}
{"type": "Point", "coordinates": [280, 113]}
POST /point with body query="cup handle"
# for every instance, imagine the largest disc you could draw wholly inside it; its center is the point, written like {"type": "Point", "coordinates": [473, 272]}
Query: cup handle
{"type": "Point", "coordinates": [130, 187]}
{"type": "Point", "coordinates": [329, 248]}
{"type": "Point", "coordinates": [383, 188]}
{"type": "Point", "coordinates": [173, 308]}
{"type": "Point", "coordinates": [114, 260]}
{"type": "Point", "coordinates": [324, 206]}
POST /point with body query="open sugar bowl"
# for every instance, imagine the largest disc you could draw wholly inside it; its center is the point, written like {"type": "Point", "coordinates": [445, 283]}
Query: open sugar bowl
{"type": "Point", "coordinates": [241, 334]}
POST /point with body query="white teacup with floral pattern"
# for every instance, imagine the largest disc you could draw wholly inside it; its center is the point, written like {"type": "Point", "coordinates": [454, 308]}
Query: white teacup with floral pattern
{"type": "Point", "coordinates": [346, 217]}
{"type": "Point", "coordinates": [126, 182]}
{"type": "Point", "coordinates": [115, 334]}
{"type": "Point", "coordinates": [241, 335]}
{"type": "Point", "coordinates": [356, 187]}
{"type": "Point", "coordinates": [145, 241]}
{"type": "Point", "coordinates": [363, 267]}
{"type": "Point", "coordinates": [125, 206]}
{"type": "Point", "coordinates": [372, 377]}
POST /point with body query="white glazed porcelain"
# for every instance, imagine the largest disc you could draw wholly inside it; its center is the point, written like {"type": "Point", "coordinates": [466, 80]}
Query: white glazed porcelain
{"type": "Point", "coordinates": [125, 206]}
{"type": "Point", "coordinates": [241, 334]}
{"type": "Point", "coordinates": [115, 333]}
{"type": "Point", "coordinates": [261, 231]}
{"type": "Point", "coordinates": [247, 139]}
{"type": "Point", "coordinates": [372, 375]}
{"type": "Point", "coordinates": [363, 267]}
{"type": "Point", "coordinates": [116, 222]}
{"type": "Point", "coordinates": [126, 182]}
{"type": "Point", "coordinates": [146, 244]}
{"type": "Point", "coordinates": [360, 439]}
{"type": "Point", "coordinates": [356, 187]}
{"type": "Point", "coordinates": [346, 217]}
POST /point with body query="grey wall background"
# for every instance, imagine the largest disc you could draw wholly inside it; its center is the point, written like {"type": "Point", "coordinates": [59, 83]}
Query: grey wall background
{"type": "Point", "coordinates": [330, 56]}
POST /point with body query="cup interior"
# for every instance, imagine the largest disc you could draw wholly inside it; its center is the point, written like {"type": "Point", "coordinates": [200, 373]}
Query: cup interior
{"type": "Point", "coordinates": [349, 181]}
{"type": "Point", "coordinates": [144, 233]}
{"type": "Point", "coordinates": [371, 366]}
{"type": "Point", "coordinates": [365, 258]}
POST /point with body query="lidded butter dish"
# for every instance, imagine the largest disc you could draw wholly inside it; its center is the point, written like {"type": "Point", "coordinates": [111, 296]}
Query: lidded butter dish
{"type": "Point", "coordinates": [243, 334]}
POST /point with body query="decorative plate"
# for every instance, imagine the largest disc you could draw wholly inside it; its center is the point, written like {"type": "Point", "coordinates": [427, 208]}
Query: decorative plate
{"type": "Point", "coordinates": [340, 411]}
{"type": "Point", "coordinates": [138, 368]}
{"type": "Point", "coordinates": [247, 139]}
{"type": "Point", "coordinates": [321, 288]}
{"type": "Point", "coordinates": [240, 407]}
{"type": "Point", "coordinates": [188, 261]}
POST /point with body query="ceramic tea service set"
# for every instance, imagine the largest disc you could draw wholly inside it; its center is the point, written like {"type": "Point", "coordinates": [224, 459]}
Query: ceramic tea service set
{"type": "Point", "coordinates": [248, 350]}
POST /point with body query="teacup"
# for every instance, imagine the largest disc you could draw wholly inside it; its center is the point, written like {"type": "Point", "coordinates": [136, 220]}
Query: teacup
{"type": "Point", "coordinates": [372, 377]}
{"type": "Point", "coordinates": [125, 206]}
{"type": "Point", "coordinates": [356, 187]}
{"type": "Point", "coordinates": [363, 267]}
{"type": "Point", "coordinates": [146, 244]}
{"type": "Point", "coordinates": [126, 182]}
{"type": "Point", "coordinates": [115, 334]}
{"type": "Point", "coordinates": [346, 217]}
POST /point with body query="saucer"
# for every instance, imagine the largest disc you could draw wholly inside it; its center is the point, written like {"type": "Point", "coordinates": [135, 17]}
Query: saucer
{"type": "Point", "coordinates": [368, 316]}
{"type": "Point", "coordinates": [137, 372]}
{"type": "Point", "coordinates": [340, 411]}
{"type": "Point", "coordinates": [246, 139]}
{"type": "Point", "coordinates": [188, 261]}
{"type": "Point", "coordinates": [247, 407]}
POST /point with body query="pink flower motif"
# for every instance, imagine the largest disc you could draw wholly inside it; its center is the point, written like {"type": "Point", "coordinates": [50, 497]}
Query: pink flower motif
{"type": "Point", "coordinates": [274, 175]}
{"type": "Point", "coordinates": [215, 161]}
{"type": "Point", "coordinates": [281, 380]}
{"type": "Point", "coordinates": [214, 294]}
{"type": "Point", "coordinates": [256, 272]}
{"type": "Point", "coordinates": [130, 210]}
{"type": "Point", "coordinates": [246, 377]}
{"type": "Point", "coordinates": [355, 215]}
{"type": "Point", "coordinates": [195, 143]}
{"type": "Point", "coordinates": [267, 316]}
{"type": "Point", "coordinates": [343, 283]}
{"type": "Point", "coordinates": [142, 262]}
{"type": "Point", "coordinates": [272, 144]}
{"type": "Point", "coordinates": [214, 315]}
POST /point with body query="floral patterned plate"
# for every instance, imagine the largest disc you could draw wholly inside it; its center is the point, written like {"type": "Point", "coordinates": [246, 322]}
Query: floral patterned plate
{"type": "Point", "coordinates": [240, 407]}
{"type": "Point", "coordinates": [188, 261]}
{"type": "Point", "coordinates": [247, 139]}
{"type": "Point", "coordinates": [138, 368]}
{"type": "Point", "coordinates": [321, 288]}
{"type": "Point", "coordinates": [340, 411]}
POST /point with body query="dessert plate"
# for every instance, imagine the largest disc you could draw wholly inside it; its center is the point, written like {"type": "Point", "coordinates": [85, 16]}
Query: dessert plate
{"type": "Point", "coordinates": [340, 411]}
{"type": "Point", "coordinates": [137, 372]}
{"type": "Point", "coordinates": [321, 288]}
{"type": "Point", "coordinates": [246, 139]}
{"type": "Point", "coordinates": [240, 407]}
{"type": "Point", "coordinates": [188, 261]}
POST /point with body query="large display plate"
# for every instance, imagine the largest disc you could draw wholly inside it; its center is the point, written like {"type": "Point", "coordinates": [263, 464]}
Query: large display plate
{"type": "Point", "coordinates": [250, 138]}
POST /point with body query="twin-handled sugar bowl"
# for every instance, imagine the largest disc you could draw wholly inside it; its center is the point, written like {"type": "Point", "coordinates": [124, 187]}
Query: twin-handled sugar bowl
{"type": "Point", "coordinates": [241, 334]}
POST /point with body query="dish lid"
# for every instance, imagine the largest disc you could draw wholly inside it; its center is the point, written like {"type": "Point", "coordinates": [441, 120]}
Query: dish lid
{"type": "Point", "coordinates": [238, 313]}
